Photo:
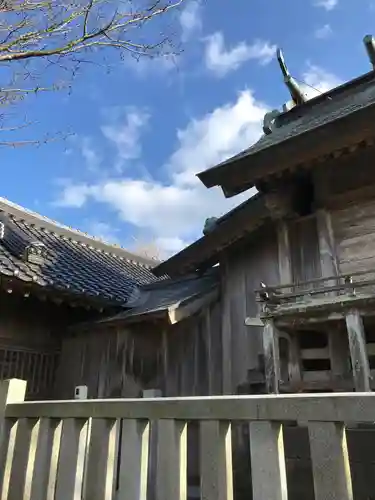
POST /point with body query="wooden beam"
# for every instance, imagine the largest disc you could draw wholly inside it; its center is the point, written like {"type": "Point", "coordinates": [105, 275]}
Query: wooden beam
{"type": "Point", "coordinates": [358, 353]}
{"type": "Point", "coordinates": [185, 310]}
{"type": "Point", "coordinates": [321, 353]}
{"type": "Point", "coordinates": [271, 357]}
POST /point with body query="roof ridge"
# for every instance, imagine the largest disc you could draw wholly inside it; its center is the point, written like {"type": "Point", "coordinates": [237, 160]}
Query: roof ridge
{"type": "Point", "coordinates": [63, 230]}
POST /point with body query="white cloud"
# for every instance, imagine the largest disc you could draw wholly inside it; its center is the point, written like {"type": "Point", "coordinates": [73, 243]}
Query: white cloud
{"type": "Point", "coordinates": [221, 59]}
{"type": "Point", "coordinates": [125, 132]}
{"type": "Point", "coordinates": [73, 195]}
{"type": "Point", "coordinates": [103, 231]}
{"type": "Point", "coordinates": [326, 4]}
{"type": "Point", "coordinates": [323, 32]}
{"type": "Point", "coordinates": [172, 213]}
{"type": "Point", "coordinates": [190, 19]}
{"type": "Point", "coordinates": [318, 81]}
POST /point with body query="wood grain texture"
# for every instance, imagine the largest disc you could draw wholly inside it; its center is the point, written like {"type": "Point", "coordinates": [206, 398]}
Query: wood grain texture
{"type": "Point", "coordinates": [358, 352]}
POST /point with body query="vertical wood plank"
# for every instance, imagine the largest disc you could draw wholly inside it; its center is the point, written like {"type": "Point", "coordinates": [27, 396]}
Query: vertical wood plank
{"type": "Point", "coordinates": [226, 331]}
{"type": "Point", "coordinates": [101, 459]}
{"type": "Point", "coordinates": [295, 369]}
{"type": "Point", "coordinates": [210, 358]}
{"type": "Point", "coordinates": [165, 362]}
{"type": "Point", "coordinates": [268, 461]}
{"type": "Point", "coordinates": [71, 460]}
{"type": "Point", "coordinates": [171, 466]}
{"type": "Point", "coordinates": [133, 471]}
{"type": "Point", "coordinates": [328, 257]}
{"type": "Point", "coordinates": [330, 461]}
{"type": "Point", "coordinates": [271, 357]}
{"type": "Point", "coordinates": [216, 461]}
{"type": "Point", "coordinates": [285, 263]}
{"type": "Point", "coordinates": [358, 351]}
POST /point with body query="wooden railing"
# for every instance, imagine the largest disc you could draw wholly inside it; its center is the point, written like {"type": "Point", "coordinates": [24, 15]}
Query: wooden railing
{"type": "Point", "coordinates": [70, 450]}
{"type": "Point", "coordinates": [349, 285]}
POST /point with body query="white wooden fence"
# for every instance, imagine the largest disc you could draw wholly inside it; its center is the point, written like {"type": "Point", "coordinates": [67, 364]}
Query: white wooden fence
{"type": "Point", "coordinates": [47, 453]}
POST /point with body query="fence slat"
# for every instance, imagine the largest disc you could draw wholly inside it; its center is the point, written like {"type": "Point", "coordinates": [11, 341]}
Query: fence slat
{"type": "Point", "coordinates": [330, 461]}
{"type": "Point", "coordinates": [101, 459]}
{"type": "Point", "coordinates": [268, 461]}
{"type": "Point", "coordinates": [23, 459]}
{"type": "Point", "coordinates": [37, 475]}
{"type": "Point", "coordinates": [171, 463]}
{"type": "Point", "coordinates": [71, 460]}
{"type": "Point", "coordinates": [134, 460]}
{"type": "Point", "coordinates": [55, 453]}
{"type": "Point", "coordinates": [216, 461]}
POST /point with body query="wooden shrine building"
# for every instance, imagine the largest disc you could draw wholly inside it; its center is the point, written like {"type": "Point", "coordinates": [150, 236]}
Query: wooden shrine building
{"type": "Point", "coordinates": [297, 260]}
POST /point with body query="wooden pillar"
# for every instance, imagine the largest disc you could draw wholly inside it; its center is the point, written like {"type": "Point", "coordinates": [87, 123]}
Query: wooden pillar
{"type": "Point", "coordinates": [226, 332]}
{"type": "Point", "coordinates": [285, 264]}
{"type": "Point", "coordinates": [338, 354]}
{"type": "Point", "coordinates": [328, 258]}
{"type": "Point", "coordinates": [358, 352]}
{"type": "Point", "coordinates": [295, 375]}
{"type": "Point", "coordinates": [271, 357]}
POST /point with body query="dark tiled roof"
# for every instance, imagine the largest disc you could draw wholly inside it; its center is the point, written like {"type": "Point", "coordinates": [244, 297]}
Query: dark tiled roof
{"type": "Point", "coordinates": [168, 294]}
{"type": "Point", "coordinates": [315, 113]}
{"type": "Point", "coordinates": [39, 251]}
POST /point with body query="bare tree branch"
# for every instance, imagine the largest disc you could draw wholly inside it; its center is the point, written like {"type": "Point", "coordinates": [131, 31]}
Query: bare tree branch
{"type": "Point", "coordinates": [39, 35]}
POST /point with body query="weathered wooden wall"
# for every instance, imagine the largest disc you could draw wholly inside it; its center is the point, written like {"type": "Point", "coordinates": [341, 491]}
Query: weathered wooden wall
{"type": "Point", "coordinates": [244, 266]}
{"type": "Point", "coordinates": [354, 231]}
{"type": "Point", "coordinates": [345, 186]}
{"type": "Point", "coordinates": [30, 339]}
{"type": "Point", "coordinates": [121, 361]}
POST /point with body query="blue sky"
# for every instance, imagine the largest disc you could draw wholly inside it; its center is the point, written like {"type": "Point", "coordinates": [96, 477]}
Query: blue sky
{"type": "Point", "coordinates": [142, 131]}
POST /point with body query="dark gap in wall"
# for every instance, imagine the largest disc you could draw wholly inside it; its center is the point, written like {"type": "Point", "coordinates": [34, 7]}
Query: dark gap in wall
{"type": "Point", "coordinates": [303, 194]}
{"type": "Point", "coordinates": [312, 339]}
{"type": "Point", "coordinates": [316, 364]}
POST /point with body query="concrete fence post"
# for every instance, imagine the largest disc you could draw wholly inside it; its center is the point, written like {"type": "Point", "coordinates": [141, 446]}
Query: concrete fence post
{"type": "Point", "coordinates": [11, 391]}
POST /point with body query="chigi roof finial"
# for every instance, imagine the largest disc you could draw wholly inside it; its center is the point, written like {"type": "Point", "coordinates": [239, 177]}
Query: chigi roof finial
{"type": "Point", "coordinates": [294, 89]}
{"type": "Point", "coordinates": [369, 42]}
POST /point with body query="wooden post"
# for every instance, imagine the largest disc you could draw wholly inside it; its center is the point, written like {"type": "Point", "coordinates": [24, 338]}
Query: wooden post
{"type": "Point", "coordinates": [268, 470]}
{"type": "Point", "coordinates": [271, 357]}
{"type": "Point", "coordinates": [358, 352]}
{"type": "Point", "coordinates": [330, 461]}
